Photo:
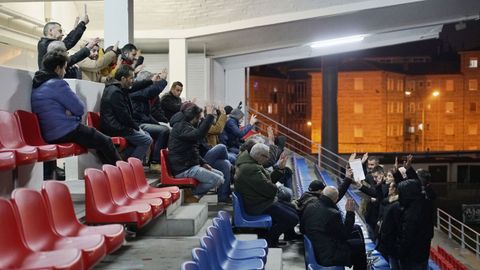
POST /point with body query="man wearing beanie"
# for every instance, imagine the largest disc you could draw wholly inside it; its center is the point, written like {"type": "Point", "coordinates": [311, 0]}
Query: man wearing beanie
{"type": "Point", "coordinates": [232, 135]}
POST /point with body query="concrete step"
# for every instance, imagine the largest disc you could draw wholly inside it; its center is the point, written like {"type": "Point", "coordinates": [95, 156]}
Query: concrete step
{"type": "Point", "coordinates": [186, 220]}
{"type": "Point", "coordinates": [274, 259]}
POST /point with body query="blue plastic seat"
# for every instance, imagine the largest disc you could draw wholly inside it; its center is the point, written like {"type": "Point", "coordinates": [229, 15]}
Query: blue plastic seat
{"type": "Point", "coordinates": [200, 256]}
{"type": "Point", "coordinates": [223, 223]}
{"type": "Point", "coordinates": [190, 266]}
{"type": "Point", "coordinates": [311, 262]}
{"type": "Point", "coordinates": [220, 261]}
{"type": "Point", "coordinates": [242, 220]}
{"type": "Point", "coordinates": [223, 247]}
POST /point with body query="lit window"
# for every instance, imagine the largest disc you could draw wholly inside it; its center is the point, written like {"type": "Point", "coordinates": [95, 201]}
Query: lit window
{"type": "Point", "coordinates": [390, 107]}
{"type": "Point", "coordinates": [270, 108]}
{"type": "Point", "coordinates": [473, 63]}
{"type": "Point", "coordinates": [411, 107]}
{"type": "Point", "coordinates": [358, 84]}
{"type": "Point", "coordinates": [399, 107]}
{"type": "Point", "coordinates": [473, 85]}
{"type": "Point", "coordinates": [390, 130]}
{"type": "Point", "coordinates": [473, 129]}
{"type": "Point", "coordinates": [358, 132]}
{"type": "Point", "coordinates": [357, 107]}
{"type": "Point", "coordinates": [449, 85]}
{"type": "Point", "coordinates": [449, 107]}
{"type": "Point", "coordinates": [449, 130]}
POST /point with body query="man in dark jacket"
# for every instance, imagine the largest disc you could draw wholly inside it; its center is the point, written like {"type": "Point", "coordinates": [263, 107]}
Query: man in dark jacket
{"type": "Point", "coordinates": [257, 188]}
{"type": "Point", "coordinates": [142, 116]}
{"type": "Point", "coordinates": [184, 159]}
{"type": "Point", "coordinates": [60, 111]}
{"type": "Point", "coordinates": [53, 31]}
{"type": "Point", "coordinates": [330, 236]}
{"type": "Point", "coordinates": [171, 101]}
{"type": "Point", "coordinates": [116, 114]}
{"type": "Point", "coordinates": [232, 135]}
{"type": "Point", "coordinates": [416, 226]}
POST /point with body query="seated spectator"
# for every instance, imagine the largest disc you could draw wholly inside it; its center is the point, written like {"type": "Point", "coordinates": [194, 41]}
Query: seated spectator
{"type": "Point", "coordinates": [143, 118]}
{"type": "Point", "coordinates": [416, 226]}
{"type": "Point", "coordinates": [72, 71]}
{"type": "Point", "coordinates": [184, 159]}
{"type": "Point", "coordinates": [60, 111]}
{"type": "Point", "coordinates": [258, 189]}
{"type": "Point", "coordinates": [331, 235]}
{"type": "Point", "coordinates": [232, 135]}
{"type": "Point", "coordinates": [53, 31]}
{"type": "Point", "coordinates": [92, 65]}
{"type": "Point", "coordinates": [116, 114]}
{"type": "Point", "coordinates": [217, 128]}
{"type": "Point", "coordinates": [171, 102]}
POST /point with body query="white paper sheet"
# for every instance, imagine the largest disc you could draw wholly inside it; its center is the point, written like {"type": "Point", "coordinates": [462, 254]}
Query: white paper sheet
{"type": "Point", "coordinates": [357, 168]}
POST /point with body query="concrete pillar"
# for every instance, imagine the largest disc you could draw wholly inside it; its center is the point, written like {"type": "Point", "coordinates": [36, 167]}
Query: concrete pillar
{"type": "Point", "coordinates": [329, 106]}
{"type": "Point", "coordinates": [235, 87]}
{"type": "Point", "coordinates": [118, 22]}
{"type": "Point", "coordinates": [177, 62]}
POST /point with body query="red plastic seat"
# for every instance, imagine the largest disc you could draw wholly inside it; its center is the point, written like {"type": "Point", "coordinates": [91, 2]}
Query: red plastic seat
{"type": "Point", "coordinates": [14, 253]}
{"type": "Point", "coordinates": [142, 183]}
{"type": "Point", "coordinates": [11, 140]}
{"type": "Point", "coordinates": [131, 187]}
{"type": "Point", "coordinates": [101, 209]}
{"type": "Point", "coordinates": [167, 179]}
{"type": "Point", "coordinates": [120, 196]}
{"type": "Point", "coordinates": [93, 120]}
{"type": "Point", "coordinates": [7, 160]}
{"type": "Point", "coordinates": [14, 138]}
{"type": "Point", "coordinates": [32, 135]}
{"type": "Point", "coordinates": [40, 234]}
{"type": "Point", "coordinates": [60, 206]}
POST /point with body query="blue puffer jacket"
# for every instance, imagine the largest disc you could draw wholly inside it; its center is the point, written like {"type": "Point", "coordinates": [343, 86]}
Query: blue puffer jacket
{"type": "Point", "coordinates": [232, 135]}
{"type": "Point", "coordinates": [58, 108]}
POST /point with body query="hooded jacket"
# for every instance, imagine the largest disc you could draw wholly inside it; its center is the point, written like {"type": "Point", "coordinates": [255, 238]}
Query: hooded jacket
{"type": "Point", "coordinates": [232, 135]}
{"type": "Point", "coordinates": [70, 40]}
{"type": "Point", "coordinates": [416, 223]}
{"type": "Point", "coordinates": [254, 184]}
{"type": "Point", "coordinates": [324, 225]}
{"type": "Point", "coordinates": [58, 108]}
{"type": "Point", "coordinates": [183, 147]}
{"type": "Point", "coordinates": [116, 113]}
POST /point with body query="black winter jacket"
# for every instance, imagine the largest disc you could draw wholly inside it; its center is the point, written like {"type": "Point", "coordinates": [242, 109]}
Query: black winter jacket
{"type": "Point", "coordinates": [183, 152]}
{"type": "Point", "coordinates": [140, 102]}
{"type": "Point", "coordinates": [170, 105]}
{"type": "Point", "coordinates": [116, 113]}
{"type": "Point", "coordinates": [70, 40]}
{"type": "Point", "coordinates": [416, 223]}
{"type": "Point", "coordinates": [390, 227]}
{"type": "Point", "coordinates": [157, 111]}
{"type": "Point", "coordinates": [324, 225]}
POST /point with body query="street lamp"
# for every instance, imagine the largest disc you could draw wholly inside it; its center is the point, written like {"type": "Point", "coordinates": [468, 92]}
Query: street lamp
{"type": "Point", "coordinates": [434, 94]}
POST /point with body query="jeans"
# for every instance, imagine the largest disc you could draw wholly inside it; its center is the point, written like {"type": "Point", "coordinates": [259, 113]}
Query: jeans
{"type": "Point", "coordinates": [91, 138]}
{"type": "Point", "coordinates": [207, 179]}
{"type": "Point", "coordinates": [160, 134]}
{"type": "Point", "coordinates": [284, 219]}
{"type": "Point", "coordinates": [138, 144]}
{"type": "Point", "coordinates": [217, 157]}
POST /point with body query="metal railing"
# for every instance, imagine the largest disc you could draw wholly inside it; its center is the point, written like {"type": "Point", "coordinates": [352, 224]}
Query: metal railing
{"type": "Point", "coordinates": [459, 232]}
{"type": "Point", "coordinates": [301, 145]}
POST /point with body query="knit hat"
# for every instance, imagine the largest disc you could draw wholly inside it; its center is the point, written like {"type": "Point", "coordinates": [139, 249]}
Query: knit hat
{"type": "Point", "coordinates": [228, 109]}
{"type": "Point", "coordinates": [316, 185]}
{"type": "Point", "coordinates": [186, 105]}
{"type": "Point", "coordinates": [237, 114]}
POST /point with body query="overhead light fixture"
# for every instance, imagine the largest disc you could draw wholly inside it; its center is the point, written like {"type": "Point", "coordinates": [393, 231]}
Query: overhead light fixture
{"type": "Point", "coordinates": [337, 41]}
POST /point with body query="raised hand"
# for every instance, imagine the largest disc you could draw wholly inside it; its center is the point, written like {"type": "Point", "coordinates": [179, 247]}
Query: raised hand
{"type": "Point", "coordinates": [253, 119]}
{"type": "Point", "coordinates": [408, 164]}
{"type": "Point", "coordinates": [350, 205]}
{"type": "Point", "coordinates": [271, 137]}
{"type": "Point", "coordinates": [364, 158]}
{"type": "Point", "coordinates": [163, 74]}
{"type": "Point", "coordinates": [85, 18]}
{"type": "Point", "coordinates": [92, 42]}
{"type": "Point", "coordinates": [352, 156]}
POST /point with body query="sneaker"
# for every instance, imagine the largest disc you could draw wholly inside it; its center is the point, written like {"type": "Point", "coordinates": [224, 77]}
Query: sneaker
{"type": "Point", "coordinates": [155, 168]}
